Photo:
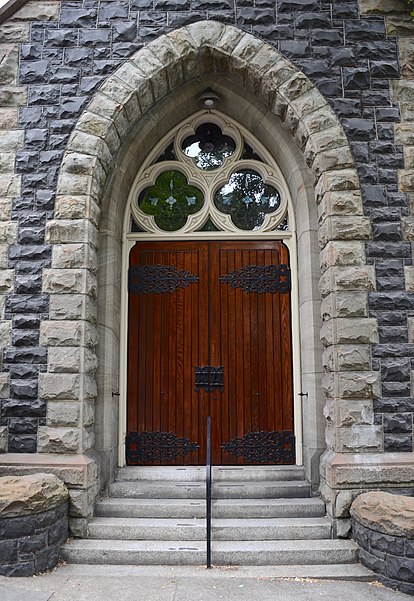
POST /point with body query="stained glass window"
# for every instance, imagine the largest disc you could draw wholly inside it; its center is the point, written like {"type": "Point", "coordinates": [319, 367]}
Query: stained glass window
{"type": "Point", "coordinates": [208, 147]}
{"type": "Point", "coordinates": [171, 199]}
{"type": "Point", "coordinates": [247, 199]}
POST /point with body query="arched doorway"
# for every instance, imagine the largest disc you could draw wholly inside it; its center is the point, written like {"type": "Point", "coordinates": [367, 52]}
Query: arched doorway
{"type": "Point", "coordinates": [146, 97]}
{"type": "Point", "coordinates": [209, 302]}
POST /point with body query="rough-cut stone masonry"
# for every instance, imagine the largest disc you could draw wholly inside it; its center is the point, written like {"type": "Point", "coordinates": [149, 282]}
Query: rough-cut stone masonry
{"type": "Point", "coordinates": [55, 55]}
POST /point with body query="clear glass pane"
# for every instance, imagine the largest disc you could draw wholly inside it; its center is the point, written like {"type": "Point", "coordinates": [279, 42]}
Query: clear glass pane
{"type": "Point", "coordinates": [283, 226]}
{"type": "Point", "coordinates": [171, 199]}
{"type": "Point", "coordinates": [247, 199]}
{"type": "Point", "coordinates": [208, 147]}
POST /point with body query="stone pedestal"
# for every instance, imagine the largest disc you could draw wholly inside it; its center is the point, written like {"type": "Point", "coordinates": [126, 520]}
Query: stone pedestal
{"type": "Point", "coordinates": [383, 526]}
{"type": "Point", "coordinates": [33, 523]}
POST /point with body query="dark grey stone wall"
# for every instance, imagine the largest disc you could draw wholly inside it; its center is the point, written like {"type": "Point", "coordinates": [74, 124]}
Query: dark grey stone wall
{"type": "Point", "coordinates": [31, 544]}
{"type": "Point", "coordinates": [390, 557]}
{"type": "Point", "coordinates": [350, 59]}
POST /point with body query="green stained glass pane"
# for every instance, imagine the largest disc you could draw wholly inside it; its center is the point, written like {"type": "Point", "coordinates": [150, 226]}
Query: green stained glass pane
{"type": "Point", "coordinates": [247, 199]}
{"type": "Point", "coordinates": [171, 200]}
{"type": "Point", "coordinates": [209, 227]}
{"type": "Point", "coordinates": [208, 147]}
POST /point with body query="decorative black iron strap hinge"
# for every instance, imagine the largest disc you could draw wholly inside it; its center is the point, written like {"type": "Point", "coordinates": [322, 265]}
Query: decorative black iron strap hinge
{"type": "Point", "coordinates": [209, 378]}
{"type": "Point", "coordinates": [153, 279]}
{"type": "Point", "coordinates": [156, 447]}
{"type": "Point", "coordinates": [260, 278]}
{"type": "Point", "coordinates": [263, 447]}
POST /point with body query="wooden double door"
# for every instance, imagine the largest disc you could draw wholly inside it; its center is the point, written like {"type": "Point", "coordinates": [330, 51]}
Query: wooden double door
{"type": "Point", "coordinates": [209, 335]}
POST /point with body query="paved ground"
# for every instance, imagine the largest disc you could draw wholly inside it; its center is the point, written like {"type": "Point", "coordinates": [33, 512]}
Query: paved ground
{"type": "Point", "coordinates": [165, 583]}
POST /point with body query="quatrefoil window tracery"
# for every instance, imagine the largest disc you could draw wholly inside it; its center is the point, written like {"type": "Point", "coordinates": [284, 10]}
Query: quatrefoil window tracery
{"type": "Point", "coordinates": [203, 178]}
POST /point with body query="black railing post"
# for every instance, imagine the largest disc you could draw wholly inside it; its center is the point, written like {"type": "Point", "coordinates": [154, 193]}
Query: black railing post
{"type": "Point", "coordinates": [208, 492]}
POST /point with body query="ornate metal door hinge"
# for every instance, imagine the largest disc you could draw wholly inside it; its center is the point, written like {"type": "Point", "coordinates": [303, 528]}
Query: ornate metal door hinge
{"type": "Point", "coordinates": [260, 278]}
{"type": "Point", "coordinates": [209, 378]}
{"type": "Point", "coordinates": [155, 447]}
{"type": "Point", "coordinates": [263, 447]}
{"type": "Point", "coordinates": [155, 279]}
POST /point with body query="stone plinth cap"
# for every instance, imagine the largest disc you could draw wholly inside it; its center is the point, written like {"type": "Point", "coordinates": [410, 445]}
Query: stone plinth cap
{"type": "Point", "coordinates": [385, 512]}
{"type": "Point", "coordinates": [25, 495]}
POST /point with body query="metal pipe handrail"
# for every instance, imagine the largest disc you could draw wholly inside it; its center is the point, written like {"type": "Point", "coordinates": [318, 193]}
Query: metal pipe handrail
{"type": "Point", "coordinates": [208, 492]}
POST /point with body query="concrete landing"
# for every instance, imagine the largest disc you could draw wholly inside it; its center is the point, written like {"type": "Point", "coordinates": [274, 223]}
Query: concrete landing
{"type": "Point", "coordinates": [188, 583]}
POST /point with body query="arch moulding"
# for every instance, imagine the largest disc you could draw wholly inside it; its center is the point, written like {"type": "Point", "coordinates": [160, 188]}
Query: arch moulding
{"type": "Point", "coordinates": [87, 200]}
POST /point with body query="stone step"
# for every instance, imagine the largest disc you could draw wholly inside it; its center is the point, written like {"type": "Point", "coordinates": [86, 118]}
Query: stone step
{"type": "Point", "coordinates": [223, 508]}
{"type": "Point", "coordinates": [222, 529]}
{"type": "Point", "coordinates": [304, 552]}
{"type": "Point", "coordinates": [219, 473]}
{"type": "Point", "coordinates": [221, 490]}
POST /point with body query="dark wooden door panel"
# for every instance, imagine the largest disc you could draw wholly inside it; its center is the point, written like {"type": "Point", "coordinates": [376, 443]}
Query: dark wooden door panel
{"type": "Point", "coordinates": [219, 312]}
{"type": "Point", "coordinates": [250, 336]}
{"type": "Point", "coordinates": [168, 336]}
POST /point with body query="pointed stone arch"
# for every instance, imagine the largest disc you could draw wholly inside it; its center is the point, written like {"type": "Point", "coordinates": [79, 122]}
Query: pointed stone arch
{"type": "Point", "coordinates": [150, 75]}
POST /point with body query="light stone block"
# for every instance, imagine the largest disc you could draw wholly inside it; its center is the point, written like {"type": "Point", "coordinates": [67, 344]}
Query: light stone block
{"type": "Point", "coordinates": [4, 385]}
{"type": "Point", "coordinates": [6, 281]}
{"type": "Point", "coordinates": [323, 141]}
{"type": "Point", "coordinates": [71, 231]}
{"type": "Point", "coordinates": [10, 185]}
{"type": "Point", "coordinates": [342, 253]}
{"type": "Point", "coordinates": [57, 440]}
{"type": "Point", "coordinates": [349, 331]}
{"type": "Point", "coordinates": [340, 203]}
{"type": "Point", "coordinates": [78, 207]}
{"type": "Point", "coordinates": [8, 231]}
{"type": "Point", "coordinates": [355, 412]}
{"type": "Point", "coordinates": [69, 281]}
{"type": "Point", "coordinates": [88, 413]}
{"type": "Point", "coordinates": [351, 385]}
{"type": "Point", "coordinates": [72, 307]}
{"type": "Point", "coordinates": [13, 96]}
{"type": "Point", "coordinates": [59, 386]}
{"type": "Point", "coordinates": [409, 278]}
{"type": "Point", "coordinates": [9, 64]}
{"type": "Point", "coordinates": [74, 256]}
{"type": "Point", "coordinates": [399, 25]}
{"type": "Point", "coordinates": [347, 357]}
{"type": "Point", "coordinates": [3, 439]}
{"type": "Point", "coordinates": [344, 304]}
{"type": "Point", "coordinates": [61, 333]}
{"type": "Point", "coordinates": [334, 181]}
{"type": "Point", "coordinates": [343, 502]}
{"type": "Point", "coordinates": [6, 166]}
{"type": "Point", "coordinates": [404, 132]}
{"type": "Point", "coordinates": [63, 414]}
{"type": "Point", "coordinates": [406, 180]}
{"type": "Point", "coordinates": [8, 118]}
{"type": "Point", "coordinates": [38, 10]}
{"type": "Point", "coordinates": [14, 31]}
{"type": "Point", "coordinates": [361, 277]}
{"type": "Point", "coordinates": [348, 227]}
{"type": "Point", "coordinates": [337, 158]}
{"type": "Point", "coordinates": [64, 359]}
{"type": "Point", "coordinates": [88, 439]}
{"type": "Point", "coordinates": [407, 224]}
{"type": "Point", "coordinates": [85, 143]}
{"type": "Point", "coordinates": [360, 439]}
{"type": "Point", "coordinates": [381, 7]}
{"type": "Point", "coordinates": [5, 333]}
